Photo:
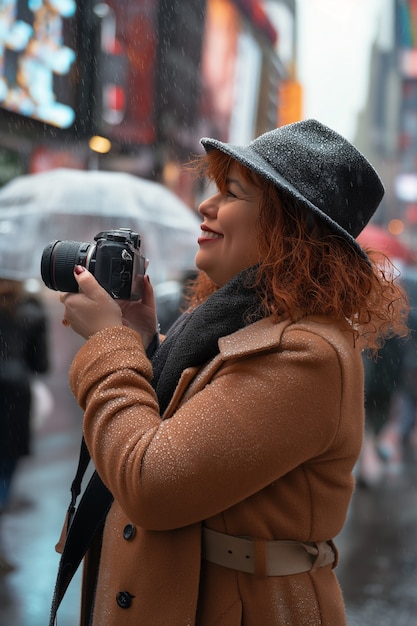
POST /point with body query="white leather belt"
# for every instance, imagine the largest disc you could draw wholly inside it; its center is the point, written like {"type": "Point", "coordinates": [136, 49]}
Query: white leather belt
{"type": "Point", "coordinates": [266, 558]}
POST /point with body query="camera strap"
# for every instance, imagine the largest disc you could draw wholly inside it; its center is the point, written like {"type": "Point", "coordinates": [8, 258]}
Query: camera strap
{"type": "Point", "coordinates": [83, 524]}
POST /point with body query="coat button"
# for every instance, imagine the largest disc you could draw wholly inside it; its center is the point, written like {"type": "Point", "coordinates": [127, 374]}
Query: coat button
{"type": "Point", "coordinates": [129, 532]}
{"type": "Point", "coordinates": [124, 599]}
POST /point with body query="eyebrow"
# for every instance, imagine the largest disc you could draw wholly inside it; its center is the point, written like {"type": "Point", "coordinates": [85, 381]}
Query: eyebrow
{"type": "Point", "coordinates": [236, 182]}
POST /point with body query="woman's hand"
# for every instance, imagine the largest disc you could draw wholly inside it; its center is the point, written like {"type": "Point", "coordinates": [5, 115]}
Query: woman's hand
{"type": "Point", "coordinates": [140, 315]}
{"type": "Point", "coordinates": [93, 309]}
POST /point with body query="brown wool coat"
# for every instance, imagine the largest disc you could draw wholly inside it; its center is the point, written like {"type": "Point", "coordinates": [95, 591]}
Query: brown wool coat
{"type": "Point", "coordinates": [260, 442]}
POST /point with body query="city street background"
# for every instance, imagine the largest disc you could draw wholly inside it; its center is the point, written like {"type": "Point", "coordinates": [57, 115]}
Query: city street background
{"type": "Point", "coordinates": [140, 83]}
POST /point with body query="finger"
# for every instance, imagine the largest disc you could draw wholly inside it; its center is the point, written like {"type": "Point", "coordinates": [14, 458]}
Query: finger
{"type": "Point", "coordinates": [88, 285]}
{"type": "Point", "coordinates": [148, 297]}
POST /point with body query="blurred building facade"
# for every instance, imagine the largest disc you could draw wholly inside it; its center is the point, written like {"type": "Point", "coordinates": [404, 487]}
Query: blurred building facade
{"type": "Point", "coordinates": [406, 178]}
{"type": "Point", "coordinates": [144, 79]}
{"type": "Point", "coordinates": [133, 85]}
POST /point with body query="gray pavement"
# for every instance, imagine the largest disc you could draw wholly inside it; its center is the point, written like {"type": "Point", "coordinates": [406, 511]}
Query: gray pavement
{"type": "Point", "coordinates": [378, 547]}
{"type": "Point", "coordinates": [378, 569]}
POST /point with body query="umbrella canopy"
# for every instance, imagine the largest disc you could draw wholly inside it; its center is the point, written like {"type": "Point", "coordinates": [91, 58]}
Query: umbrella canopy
{"type": "Point", "coordinates": [69, 204]}
{"type": "Point", "coordinates": [380, 239]}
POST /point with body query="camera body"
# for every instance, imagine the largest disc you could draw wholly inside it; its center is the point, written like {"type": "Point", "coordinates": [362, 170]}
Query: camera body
{"type": "Point", "coordinates": [114, 259]}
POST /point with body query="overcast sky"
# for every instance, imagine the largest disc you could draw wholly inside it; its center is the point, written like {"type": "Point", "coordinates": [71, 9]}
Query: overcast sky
{"type": "Point", "coordinates": [335, 39]}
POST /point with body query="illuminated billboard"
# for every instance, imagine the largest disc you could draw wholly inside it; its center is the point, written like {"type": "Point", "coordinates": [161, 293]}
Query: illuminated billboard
{"type": "Point", "coordinates": [38, 43]}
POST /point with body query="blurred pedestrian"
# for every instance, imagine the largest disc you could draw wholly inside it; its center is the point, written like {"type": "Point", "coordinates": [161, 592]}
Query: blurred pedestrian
{"type": "Point", "coordinates": [228, 450]}
{"type": "Point", "coordinates": [391, 397]}
{"type": "Point", "coordinates": [383, 381]}
{"type": "Point", "coordinates": [23, 352]}
{"type": "Point", "coordinates": [407, 405]}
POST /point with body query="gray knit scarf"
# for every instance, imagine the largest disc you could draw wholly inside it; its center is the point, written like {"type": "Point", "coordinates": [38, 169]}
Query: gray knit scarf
{"type": "Point", "coordinates": [193, 339]}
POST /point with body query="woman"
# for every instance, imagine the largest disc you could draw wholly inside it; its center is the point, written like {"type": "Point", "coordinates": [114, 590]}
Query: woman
{"type": "Point", "coordinates": [229, 454]}
{"type": "Point", "coordinates": [23, 354]}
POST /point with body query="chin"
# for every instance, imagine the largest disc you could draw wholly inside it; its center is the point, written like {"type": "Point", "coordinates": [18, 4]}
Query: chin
{"type": "Point", "coordinates": [200, 265]}
{"type": "Point", "coordinates": [212, 272]}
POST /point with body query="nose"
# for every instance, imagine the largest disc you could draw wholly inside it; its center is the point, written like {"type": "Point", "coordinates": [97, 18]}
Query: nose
{"type": "Point", "coordinates": [209, 206]}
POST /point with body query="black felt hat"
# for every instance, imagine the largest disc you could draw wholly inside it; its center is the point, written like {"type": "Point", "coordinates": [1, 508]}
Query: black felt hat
{"type": "Point", "coordinates": [319, 168]}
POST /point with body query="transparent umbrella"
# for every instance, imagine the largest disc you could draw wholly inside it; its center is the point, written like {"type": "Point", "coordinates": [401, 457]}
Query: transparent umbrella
{"type": "Point", "coordinates": [75, 205]}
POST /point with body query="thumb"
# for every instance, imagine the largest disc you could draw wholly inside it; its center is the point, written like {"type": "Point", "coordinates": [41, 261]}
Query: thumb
{"type": "Point", "coordinates": [87, 284]}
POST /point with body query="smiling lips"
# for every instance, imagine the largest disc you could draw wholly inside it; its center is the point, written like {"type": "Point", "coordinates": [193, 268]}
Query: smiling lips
{"type": "Point", "coordinates": [207, 234]}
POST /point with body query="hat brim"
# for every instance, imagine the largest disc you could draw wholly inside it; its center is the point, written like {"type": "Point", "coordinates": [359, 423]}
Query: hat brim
{"type": "Point", "coordinates": [249, 158]}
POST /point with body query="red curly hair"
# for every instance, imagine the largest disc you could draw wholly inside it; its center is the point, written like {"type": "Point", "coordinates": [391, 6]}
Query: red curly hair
{"type": "Point", "coordinates": [307, 269]}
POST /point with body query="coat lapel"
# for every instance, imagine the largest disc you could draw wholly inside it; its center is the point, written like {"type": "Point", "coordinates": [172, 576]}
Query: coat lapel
{"type": "Point", "coordinates": [257, 337]}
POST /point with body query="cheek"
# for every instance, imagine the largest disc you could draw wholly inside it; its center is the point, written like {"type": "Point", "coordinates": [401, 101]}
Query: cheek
{"type": "Point", "coordinates": [249, 242]}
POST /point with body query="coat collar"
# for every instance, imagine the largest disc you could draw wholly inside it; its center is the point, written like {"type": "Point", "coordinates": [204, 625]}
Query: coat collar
{"type": "Point", "coordinates": [256, 337]}
{"type": "Point", "coordinates": [260, 336]}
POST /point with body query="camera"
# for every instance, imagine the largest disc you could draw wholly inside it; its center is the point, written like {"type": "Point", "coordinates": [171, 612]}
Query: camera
{"type": "Point", "coordinates": [114, 259]}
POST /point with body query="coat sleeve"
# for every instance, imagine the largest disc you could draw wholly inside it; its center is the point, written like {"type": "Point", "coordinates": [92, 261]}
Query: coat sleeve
{"type": "Point", "coordinates": [259, 417]}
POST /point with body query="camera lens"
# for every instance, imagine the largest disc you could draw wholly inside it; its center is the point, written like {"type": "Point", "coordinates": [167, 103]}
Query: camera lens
{"type": "Point", "coordinates": [58, 261]}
